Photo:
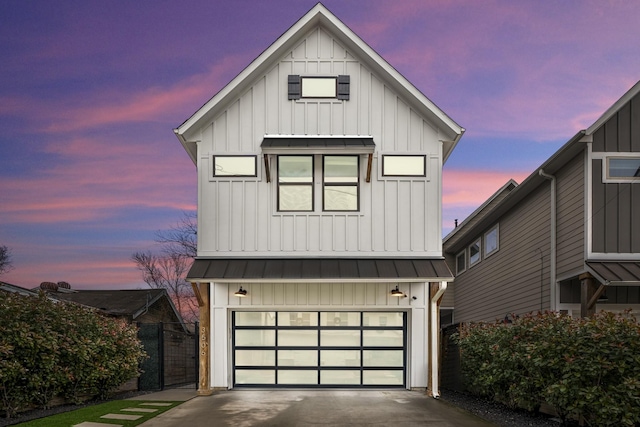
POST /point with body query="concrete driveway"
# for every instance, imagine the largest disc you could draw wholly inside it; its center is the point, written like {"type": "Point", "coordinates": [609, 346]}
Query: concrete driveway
{"type": "Point", "coordinates": [240, 408]}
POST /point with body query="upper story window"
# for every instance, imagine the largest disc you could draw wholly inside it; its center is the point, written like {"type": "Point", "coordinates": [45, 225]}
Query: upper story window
{"type": "Point", "coordinates": [624, 169]}
{"type": "Point", "coordinates": [404, 165]}
{"type": "Point", "coordinates": [240, 166]}
{"type": "Point", "coordinates": [340, 183]}
{"type": "Point", "coordinates": [474, 253]}
{"type": "Point", "coordinates": [337, 87]}
{"type": "Point", "coordinates": [295, 183]}
{"type": "Point", "coordinates": [491, 241]}
{"type": "Point", "coordinates": [461, 262]}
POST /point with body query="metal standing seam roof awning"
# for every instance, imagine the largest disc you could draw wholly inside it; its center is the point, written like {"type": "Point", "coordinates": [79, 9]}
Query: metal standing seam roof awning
{"type": "Point", "coordinates": [617, 272]}
{"type": "Point", "coordinates": [319, 270]}
{"type": "Point", "coordinates": [313, 144]}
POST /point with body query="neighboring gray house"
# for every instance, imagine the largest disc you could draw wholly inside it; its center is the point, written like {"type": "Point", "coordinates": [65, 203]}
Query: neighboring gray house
{"type": "Point", "coordinates": [567, 238]}
{"type": "Point", "coordinates": [319, 219]}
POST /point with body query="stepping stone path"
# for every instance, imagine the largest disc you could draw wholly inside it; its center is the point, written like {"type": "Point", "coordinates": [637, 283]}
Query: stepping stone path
{"type": "Point", "coordinates": [129, 416]}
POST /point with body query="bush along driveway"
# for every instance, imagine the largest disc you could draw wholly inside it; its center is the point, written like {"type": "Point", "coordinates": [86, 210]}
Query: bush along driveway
{"type": "Point", "coordinates": [585, 368]}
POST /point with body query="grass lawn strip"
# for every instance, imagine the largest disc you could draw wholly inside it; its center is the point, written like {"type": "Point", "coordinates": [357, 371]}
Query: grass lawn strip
{"type": "Point", "coordinates": [94, 414]}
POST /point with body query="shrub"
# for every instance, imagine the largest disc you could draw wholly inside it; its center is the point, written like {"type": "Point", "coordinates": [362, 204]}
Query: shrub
{"type": "Point", "coordinates": [587, 368]}
{"type": "Point", "coordinates": [49, 349]}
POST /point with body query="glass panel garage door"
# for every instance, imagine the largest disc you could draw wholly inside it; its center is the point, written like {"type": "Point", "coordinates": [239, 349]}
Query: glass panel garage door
{"type": "Point", "coordinates": [319, 349]}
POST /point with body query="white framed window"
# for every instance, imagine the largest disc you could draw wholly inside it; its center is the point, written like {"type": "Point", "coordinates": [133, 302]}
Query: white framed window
{"type": "Point", "coordinates": [404, 165]}
{"type": "Point", "coordinates": [340, 183]}
{"type": "Point", "coordinates": [491, 241]}
{"type": "Point", "coordinates": [621, 168]}
{"type": "Point", "coordinates": [238, 166]}
{"type": "Point", "coordinates": [461, 262]}
{"type": "Point", "coordinates": [474, 252]}
{"type": "Point", "coordinates": [295, 183]}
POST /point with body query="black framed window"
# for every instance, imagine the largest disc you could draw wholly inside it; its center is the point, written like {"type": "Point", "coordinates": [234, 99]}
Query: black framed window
{"type": "Point", "coordinates": [340, 183]}
{"type": "Point", "coordinates": [295, 183]}
{"type": "Point", "coordinates": [239, 166]}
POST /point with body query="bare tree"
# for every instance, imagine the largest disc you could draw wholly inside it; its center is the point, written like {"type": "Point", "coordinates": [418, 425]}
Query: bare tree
{"type": "Point", "coordinates": [168, 269]}
{"type": "Point", "coordinates": [168, 272]}
{"type": "Point", "coordinates": [6, 264]}
{"type": "Point", "coordinates": [182, 238]}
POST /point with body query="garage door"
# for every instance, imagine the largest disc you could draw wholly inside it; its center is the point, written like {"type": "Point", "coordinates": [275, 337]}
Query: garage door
{"type": "Point", "coordinates": [319, 349]}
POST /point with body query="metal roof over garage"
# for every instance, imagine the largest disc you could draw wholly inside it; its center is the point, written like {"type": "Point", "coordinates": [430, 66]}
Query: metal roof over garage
{"type": "Point", "coordinates": [319, 269]}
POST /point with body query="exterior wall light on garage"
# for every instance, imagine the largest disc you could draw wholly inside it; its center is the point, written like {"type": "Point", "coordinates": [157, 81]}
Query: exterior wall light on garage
{"type": "Point", "coordinates": [398, 293]}
{"type": "Point", "coordinates": [241, 292]}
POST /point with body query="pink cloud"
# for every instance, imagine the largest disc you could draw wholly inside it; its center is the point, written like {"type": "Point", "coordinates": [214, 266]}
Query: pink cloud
{"type": "Point", "coordinates": [470, 188]}
{"type": "Point", "coordinates": [97, 177]}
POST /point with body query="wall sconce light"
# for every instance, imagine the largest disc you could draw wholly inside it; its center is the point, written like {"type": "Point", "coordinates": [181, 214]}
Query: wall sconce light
{"type": "Point", "coordinates": [398, 293]}
{"type": "Point", "coordinates": [241, 292]}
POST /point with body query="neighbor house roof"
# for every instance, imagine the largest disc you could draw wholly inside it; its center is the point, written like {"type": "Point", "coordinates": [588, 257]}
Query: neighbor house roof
{"type": "Point", "coordinates": [8, 287]}
{"type": "Point", "coordinates": [319, 270]}
{"type": "Point", "coordinates": [319, 16]}
{"type": "Point", "coordinates": [132, 303]}
{"type": "Point", "coordinates": [456, 239]}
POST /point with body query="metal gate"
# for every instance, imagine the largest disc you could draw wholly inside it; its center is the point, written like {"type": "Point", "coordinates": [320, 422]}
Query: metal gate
{"type": "Point", "coordinates": [172, 355]}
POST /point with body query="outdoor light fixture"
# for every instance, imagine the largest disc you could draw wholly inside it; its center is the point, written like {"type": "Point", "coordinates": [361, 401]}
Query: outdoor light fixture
{"type": "Point", "coordinates": [241, 292]}
{"type": "Point", "coordinates": [398, 293]}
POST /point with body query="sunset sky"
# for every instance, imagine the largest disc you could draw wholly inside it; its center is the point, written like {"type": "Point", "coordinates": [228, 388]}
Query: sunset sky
{"type": "Point", "coordinates": [91, 90]}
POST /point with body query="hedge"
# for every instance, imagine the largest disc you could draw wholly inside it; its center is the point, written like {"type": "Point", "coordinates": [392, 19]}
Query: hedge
{"type": "Point", "coordinates": [586, 369]}
{"type": "Point", "coordinates": [50, 349]}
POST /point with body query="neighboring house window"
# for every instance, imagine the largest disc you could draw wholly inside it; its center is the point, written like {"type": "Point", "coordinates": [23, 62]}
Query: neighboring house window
{"type": "Point", "coordinates": [234, 166]}
{"type": "Point", "coordinates": [623, 168]}
{"type": "Point", "coordinates": [295, 183]}
{"type": "Point", "coordinates": [474, 253]}
{"type": "Point", "coordinates": [340, 183]}
{"type": "Point", "coordinates": [461, 262]}
{"type": "Point", "coordinates": [404, 165]}
{"type": "Point", "coordinates": [491, 241]}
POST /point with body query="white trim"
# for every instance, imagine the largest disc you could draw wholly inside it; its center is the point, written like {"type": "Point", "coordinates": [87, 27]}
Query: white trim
{"type": "Point", "coordinates": [479, 242]}
{"type": "Point", "coordinates": [613, 256]}
{"type": "Point", "coordinates": [614, 108]}
{"type": "Point", "coordinates": [464, 255]}
{"type": "Point", "coordinates": [588, 201]}
{"type": "Point", "coordinates": [435, 334]}
{"type": "Point", "coordinates": [484, 246]}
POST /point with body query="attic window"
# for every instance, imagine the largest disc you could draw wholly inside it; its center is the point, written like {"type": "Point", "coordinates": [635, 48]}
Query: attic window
{"type": "Point", "coordinates": [404, 165]}
{"type": "Point", "coordinates": [234, 166]}
{"type": "Point", "coordinates": [318, 87]}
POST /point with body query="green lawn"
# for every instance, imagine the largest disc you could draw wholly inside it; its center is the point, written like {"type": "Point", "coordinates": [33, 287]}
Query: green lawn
{"type": "Point", "coordinates": [93, 413]}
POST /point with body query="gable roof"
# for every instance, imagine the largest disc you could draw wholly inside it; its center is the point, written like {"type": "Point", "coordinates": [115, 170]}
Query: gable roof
{"type": "Point", "coordinates": [550, 166]}
{"type": "Point", "coordinates": [483, 211]}
{"type": "Point", "coordinates": [319, 16]}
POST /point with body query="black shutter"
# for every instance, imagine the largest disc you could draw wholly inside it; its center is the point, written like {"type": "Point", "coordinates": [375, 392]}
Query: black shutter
{"type": "Point", "coordinates": [343, 87]}
{"type": "Point", "coordinates": [294, 86]}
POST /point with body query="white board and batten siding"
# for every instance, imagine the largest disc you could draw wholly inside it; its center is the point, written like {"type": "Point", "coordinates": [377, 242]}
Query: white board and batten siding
{"type": "Point", "coordinates": [396, 217]}
{"type": "Point", "coordinates": [325, 297]}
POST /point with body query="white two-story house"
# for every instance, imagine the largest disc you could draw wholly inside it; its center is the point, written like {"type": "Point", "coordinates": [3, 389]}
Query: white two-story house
{"type": "Point", "coordinates": [319, 219]}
